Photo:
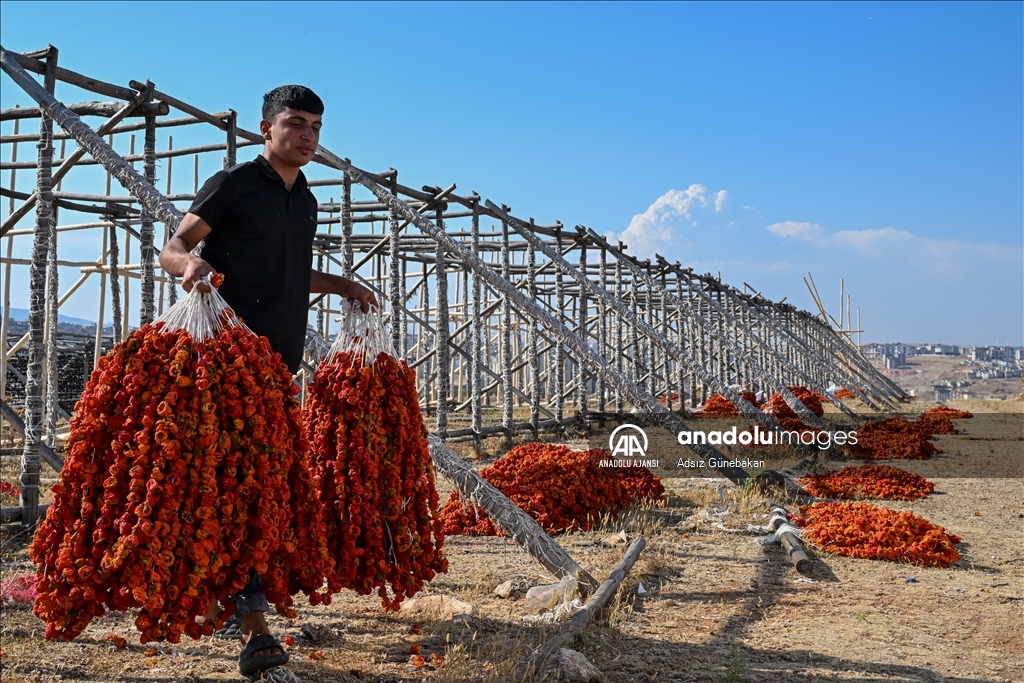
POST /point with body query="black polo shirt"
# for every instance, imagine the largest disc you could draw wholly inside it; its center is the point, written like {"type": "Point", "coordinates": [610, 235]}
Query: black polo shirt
{"type": "Point", "coordinates": [261, 239]}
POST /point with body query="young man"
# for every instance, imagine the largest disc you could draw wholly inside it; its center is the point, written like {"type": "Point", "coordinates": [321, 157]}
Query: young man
{"type": "Point", "coordinates": [259, 220]}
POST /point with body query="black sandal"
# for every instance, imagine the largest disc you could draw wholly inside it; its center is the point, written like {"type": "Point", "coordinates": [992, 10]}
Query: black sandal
{"type": "Point", "coordinates": [231, 630]}
{"type": "Point", "coordinates": [249, 664]}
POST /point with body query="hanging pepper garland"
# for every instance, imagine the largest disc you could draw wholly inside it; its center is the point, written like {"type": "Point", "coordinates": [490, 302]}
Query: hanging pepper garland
{"type": "Point", "coordinates": [865, 531]}
{"type": "Point", "coordinates": [185, 471]}
{"type": "Point", "coordinates": [368, 448]}
{"type": "Point", "coordinates": [561, 488]}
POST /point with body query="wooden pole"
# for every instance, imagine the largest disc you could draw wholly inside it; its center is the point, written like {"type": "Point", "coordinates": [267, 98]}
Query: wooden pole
{"type": "Point", "coordinates": [506, 340]}
{"type": "Point", "coordinates": [533, 668]}
{"type": "Point", "coordinates": [7, 280]}
{"type": "Point", "coordinates": [476, 379]}
{"type": "Point", "coordinates": [147, 307]}
{"type": "Point", "coordinates": [34, 382]}
{"type": "Point", "coordinates": [442, 337]}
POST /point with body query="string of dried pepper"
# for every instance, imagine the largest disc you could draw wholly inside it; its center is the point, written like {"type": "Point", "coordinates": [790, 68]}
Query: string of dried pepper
{"type": "Point", "coordinates": [184, 472]}
{"type": "Point", "coordinates": [866, 531]}
{"type": "Point", "coordinates": [368, 447]}
{"type": "Point", "coordinates": [561, 488]}
{"type": "Point", "coordinates": [868, 481]}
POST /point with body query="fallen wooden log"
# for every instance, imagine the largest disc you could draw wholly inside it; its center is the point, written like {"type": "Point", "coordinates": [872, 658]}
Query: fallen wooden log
{"type": "Point", "coordinates": [534, 665]}
{"type": "Point", "coordinates": [791, 542]}
{"type": "Point", "coordinates": [516, 524]}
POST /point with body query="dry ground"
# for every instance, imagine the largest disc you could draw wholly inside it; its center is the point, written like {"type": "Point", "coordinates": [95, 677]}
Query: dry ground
{"type": "Point", "coordinates": [719, 606]}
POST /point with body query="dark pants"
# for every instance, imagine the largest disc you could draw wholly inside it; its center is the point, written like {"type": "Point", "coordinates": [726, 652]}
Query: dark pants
{"type": "Point", "coordinates": [251, 598]}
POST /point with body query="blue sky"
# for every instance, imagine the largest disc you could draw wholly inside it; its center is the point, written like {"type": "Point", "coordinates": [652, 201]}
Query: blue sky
{"type": "Point", "coordinates": [879, 143]}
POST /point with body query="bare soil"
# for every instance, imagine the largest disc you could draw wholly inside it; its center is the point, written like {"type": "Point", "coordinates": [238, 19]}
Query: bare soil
{"type": "Point", "coordinates": [718, 605]}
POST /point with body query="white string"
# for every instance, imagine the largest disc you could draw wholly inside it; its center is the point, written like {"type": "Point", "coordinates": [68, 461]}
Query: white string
{"type": "Point", "coordinates": [202, 314]}
{"type": "Point", "coordinates": [363, 334]}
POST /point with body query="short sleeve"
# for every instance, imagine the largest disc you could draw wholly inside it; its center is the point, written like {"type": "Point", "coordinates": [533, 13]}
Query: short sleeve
{"type": "Point", "coordinates": [214, 200]}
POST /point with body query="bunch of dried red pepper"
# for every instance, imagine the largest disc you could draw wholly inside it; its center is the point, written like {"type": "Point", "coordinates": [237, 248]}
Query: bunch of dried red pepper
{"type": "Point", "coordinates": [899, 438]}
{"type": "Point", "coordinates": [368, 447]}
{"type": "Point", "coordinates": [844, 393]}
{"type": "Point", "coordinates": [895, 438]}
{"type": "Point", "coordinates": [868, 481]}
{"type": "Point", "coordinates": [718, 406]}
{"type": "Point", "coordinates": [184, 472]}
{"type": "Point", "coordinates": [779, 408]}
{"type": "Point", "coordinates": [867, 531]}
{"type": "Point", "coordinates": [561, 488]}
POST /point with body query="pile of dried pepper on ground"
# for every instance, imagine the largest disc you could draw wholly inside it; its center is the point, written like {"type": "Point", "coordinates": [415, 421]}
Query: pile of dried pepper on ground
{"type": "Point", "coordinates": [184, 471]}
{"type": "Point", "coordinates": [844, 393]}
{"type": "Point", "coordinates": [868, 481]}
{"type": "Point", "coordinates": [878, 533]}
{"type": "Point", "coordinates": [779, 408]}
{"type": "Point", "coordinates": [561, 488]}
{"type": "Point", "coordinates": [717, 406]}
{"type": "Point", "coordinates": [368, 448]}
{"type": "Point", "coordinates": [899, 438]}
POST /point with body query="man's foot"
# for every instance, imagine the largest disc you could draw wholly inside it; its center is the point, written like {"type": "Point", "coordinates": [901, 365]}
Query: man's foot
{"type": "Point", "coordinates": [260, 651]}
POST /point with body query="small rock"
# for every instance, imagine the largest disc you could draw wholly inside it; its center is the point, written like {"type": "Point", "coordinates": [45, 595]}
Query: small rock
{"type": "Point", "coordinates": [441, 607]}
{"type": "Point", "coordinates": [569, 666]}
{"type": "Point", "coordinates": [504, 589]}
{"type": "Point", "coordinates": [615, 539]}
{"type": "Point", "coordinates": [513, 588]}
{"type": "Point", "coordinates": [317, 634]}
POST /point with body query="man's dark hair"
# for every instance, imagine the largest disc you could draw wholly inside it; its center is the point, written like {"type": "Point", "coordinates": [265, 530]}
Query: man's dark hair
{"type": "Point", "coordinates": [290, 97]}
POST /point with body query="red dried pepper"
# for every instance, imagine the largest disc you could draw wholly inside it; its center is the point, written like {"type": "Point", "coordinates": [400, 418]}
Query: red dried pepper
{"type": "Point", "coordinates": [866, 531]}
{"type": "Point", "coordinates": [368, 446]}
{"type": "Point", "coordinates": [185, 471]}
{"type": "Point", "coordinates": [559, 487]}
{"type": "Point", "coordinates": [868, 481]}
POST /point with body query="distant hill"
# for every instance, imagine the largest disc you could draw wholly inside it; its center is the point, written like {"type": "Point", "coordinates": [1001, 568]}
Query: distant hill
{"type": "Point", "coordinates": [21, 314]}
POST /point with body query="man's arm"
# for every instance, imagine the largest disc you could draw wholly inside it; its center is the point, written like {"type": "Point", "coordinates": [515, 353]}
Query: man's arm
{"type": "Point", "coordinates": [176, 257]}
{"type": "Point", "coordinates": [325, 283]}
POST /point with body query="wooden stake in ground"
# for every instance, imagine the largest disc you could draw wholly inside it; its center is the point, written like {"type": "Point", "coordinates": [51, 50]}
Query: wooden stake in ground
{"type": "Point", "coordinates": [577, 622]}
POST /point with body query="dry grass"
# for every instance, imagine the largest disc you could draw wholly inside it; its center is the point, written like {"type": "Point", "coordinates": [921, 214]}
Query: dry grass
{"type": "Point", "coordinates": [717, 606]}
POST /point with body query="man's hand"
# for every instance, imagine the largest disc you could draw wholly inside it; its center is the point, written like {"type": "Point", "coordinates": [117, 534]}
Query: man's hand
{"type": "Point", "coordinates": [196, 268]}
{"type": "Point", "coordinates": [357, 292]}
{"type": "Point", "coordinates": [325, 283]}
{"type": "Point", "coordinates": [176, 257]}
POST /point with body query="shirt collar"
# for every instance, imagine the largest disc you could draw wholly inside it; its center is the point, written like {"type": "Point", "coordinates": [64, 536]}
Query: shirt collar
{"type": "Point", "coordinates": [268, 170]}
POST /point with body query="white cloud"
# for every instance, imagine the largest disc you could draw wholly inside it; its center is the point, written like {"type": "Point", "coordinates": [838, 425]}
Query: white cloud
{"type": "Point", "coordinates": [657, 230]}
{"type": "Point", "coordinates": [801, 231]}
{"type": "Point", "coordinates": [720, 198]}
{"type": "Point", "coordinates": [926, 256]}
{"type": "Point", "coordinates": [865, 241]}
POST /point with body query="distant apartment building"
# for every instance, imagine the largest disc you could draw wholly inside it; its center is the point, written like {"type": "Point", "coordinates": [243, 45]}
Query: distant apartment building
{"type": "Point", "coordinates": [991, 353]}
